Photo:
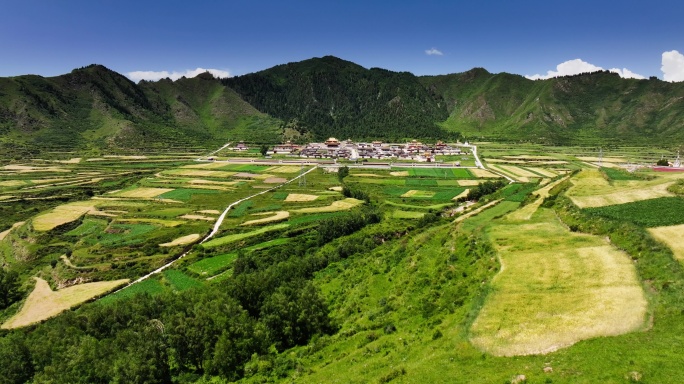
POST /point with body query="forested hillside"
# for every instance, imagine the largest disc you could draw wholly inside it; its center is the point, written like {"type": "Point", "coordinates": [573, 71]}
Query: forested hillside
{"type": "Point", "coordinates": [333, 97]}
{"type": "Point", "coordinates": [591, 108]}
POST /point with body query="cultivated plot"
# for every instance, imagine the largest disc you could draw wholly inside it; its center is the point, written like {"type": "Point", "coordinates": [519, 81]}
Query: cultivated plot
{"type": "Point", "coordinates": [554, 289]}
{"type": "Point", "coordinates": [44, 303]}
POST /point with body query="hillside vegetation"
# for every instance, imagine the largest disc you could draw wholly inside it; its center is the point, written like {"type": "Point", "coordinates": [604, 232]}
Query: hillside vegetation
{"type": "Point", "coordinates": [94, 107]}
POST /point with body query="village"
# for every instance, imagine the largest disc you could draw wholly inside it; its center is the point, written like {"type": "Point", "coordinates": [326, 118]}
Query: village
{"type": "Point", "coordinates": [350, 150]}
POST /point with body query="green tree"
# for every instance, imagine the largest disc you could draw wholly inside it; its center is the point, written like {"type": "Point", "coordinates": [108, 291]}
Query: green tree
{"type": "Point", "coordinates": [342, 172]}
{"type": "Point", "coordinates": [662, 162]}
{"type": "Point", "coordinates": [16, 360]}
{"type": "Point", "coordinates": [9, 288]}
{"type": "Point", "coordinates": [263, 149]}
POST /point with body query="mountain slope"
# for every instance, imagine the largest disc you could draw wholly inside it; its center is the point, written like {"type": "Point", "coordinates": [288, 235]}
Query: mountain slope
{"type": "Point", "coordinates": [590, 108]}
{"type": "Point", "coordinates": [333, 97]}
{"type": "Point", "coordinates": [96, 107]}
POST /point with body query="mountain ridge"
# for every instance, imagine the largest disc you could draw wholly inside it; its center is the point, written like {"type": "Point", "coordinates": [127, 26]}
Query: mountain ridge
{"type": "Point", "coordinates": [95, 107]}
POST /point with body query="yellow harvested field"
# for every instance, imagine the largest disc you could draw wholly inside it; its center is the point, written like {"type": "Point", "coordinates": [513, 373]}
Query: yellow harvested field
{"type": "Point", "coordinates": [27, 168]}
{"type": "Point", "coordinates": [284, 169]}
{"type": "Point", "coordinates": [297, 197]}
{"type": "Point", "coordinates": [211, 182]}
{"type": "Point", "coordinates": [189, 239]}
{"type": "Point", "coordinates": [468, 183]}
{"type": "Point", "coordinates": [554, 289]}
{"type": "Point", "coordinates": [275, 180]}
{"type": "Point", "coordinates": [4, 234]}
{"type": "Point", "coordinates": [418, 193]}
{"type": "Point", "coordinates": [400, 173]}
{"type": "Point", "coordinates": [339, 205]}
{"type": "Point", "coordinates": [199, 172]}
{"type": "Point", "coordinates": [482, 173]}
{"type": "Point", "coordinates": [44, 303]}
{"type": "Point", "coordinates": [366, 175]}
{"type": "Point", "coordinates": [591, 189]}
{"type": "Point", "coordinates": [505, 161]}
{"type": "Point", "coordinates": [672, 237]}
{"type": "Point", "coordinates": [462, 194]}
{"type": "Point", "coordinates": [277, 216]}
{"type": "Point", "coordinates": [543, 171]}
{"type": "Point", "coordinates": [198, 217]}
{"type": "Point", "coordinates": [12, 183]}
{"type": "Point", "coordinates": [73, 160]}
{"type": "Point", "coordinates": [62, 214]}
{"type": "Point", "coordinates": [605, 159]}
{"type": "Point", "coordinates": [206, 165]}
{"type": "Point", "coordinates": [210, 211]}
{"type": "Point", "coordinates": [247, 175]}
{"type": "Point", "coordinates": [6, 197]}
{"type": "Point", "coordinates": [143, 192]}
{"type": "Point", "coordinates": [336, 189]}
{"type": "Point", "coordinates": [517, 171]}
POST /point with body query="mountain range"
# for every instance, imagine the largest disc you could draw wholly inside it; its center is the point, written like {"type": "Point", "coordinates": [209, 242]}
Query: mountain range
{"type": "Point", "coordinates": [96, 108]}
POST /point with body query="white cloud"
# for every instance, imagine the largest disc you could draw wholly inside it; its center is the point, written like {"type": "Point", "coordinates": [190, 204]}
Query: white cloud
{"type": "Point", "coordinates": [673, 66]}
{"type": "Point", "coordinates": [433, 52]}
{"type": "Point", "coordinates": [570, 67]}
{"type": "Point", "coordinates": [627, 74]}
{"type": "Point", "coordinates": [577, 66]}
{"type": "Point", "coordinates": [156, 75]}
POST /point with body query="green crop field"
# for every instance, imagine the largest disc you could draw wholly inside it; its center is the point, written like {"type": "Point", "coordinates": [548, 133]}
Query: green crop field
{"type": "Point", "coordinates": [212, 265]}
{"type": "Point", "coordinates": [179, 281]}
{"type": "Point", "coordinates": [240, 236]}
{"type": "Point", "coordinates": [661, 212]}
{"type": "Point", "coordinates": [619, 174]}
{"type": "Point", "coordinates": [185, 194]}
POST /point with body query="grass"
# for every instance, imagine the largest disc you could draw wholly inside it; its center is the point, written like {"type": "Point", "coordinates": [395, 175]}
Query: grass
{"type": "Point", "coordinates": [125, 234]}
{"type": "Point", "coordinates": [185, 194]}
{"type": "Point", "coordinates": [241, 236]}
{"type": "Point", "coordinates": [555, 288]}
{"type": "Point", "coordinates": [486, 216]}
{"type": "Point", "coordinates": [619, 174]}
{"type": "Point", "coordinates": [240, 209]}
{"type": "Point", "coordinates": [44, 303]}
{"type": "Point", "coordinates": [179, 281]}
{"type": "Point", "coordinates": [212, 265]}
{"type": "Point", "coordinates": [268, 244]}
{"type": "Point", "coordinates": [399, 214]}
{"type": "Point", "coordinates": [150, 286]}
{"type": "Point", "coordinates": [88, 226]}
{"type": "Point", "coordinates": [664, 211]}
{"type": "Point", "coordinates": [423, 207]}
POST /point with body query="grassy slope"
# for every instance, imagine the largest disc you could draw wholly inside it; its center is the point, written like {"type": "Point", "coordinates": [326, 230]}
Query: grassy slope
{"type": "Point", "coordinates": [585, 109]}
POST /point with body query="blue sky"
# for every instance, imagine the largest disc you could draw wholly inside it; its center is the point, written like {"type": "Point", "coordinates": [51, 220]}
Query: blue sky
{"type": "Point", "coordinates": [237, 37]}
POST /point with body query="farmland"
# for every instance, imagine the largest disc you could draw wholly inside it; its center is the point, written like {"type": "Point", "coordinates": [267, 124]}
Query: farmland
{"type": "Point", "coordinates": [420, 283]}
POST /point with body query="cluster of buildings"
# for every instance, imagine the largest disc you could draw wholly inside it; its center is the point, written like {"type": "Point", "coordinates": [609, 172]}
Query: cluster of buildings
{"type": "Point", "coordinates": [347, 149]}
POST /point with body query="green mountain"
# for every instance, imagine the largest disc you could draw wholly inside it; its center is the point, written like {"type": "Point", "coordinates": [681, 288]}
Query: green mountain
{"type": "Point", "coordinates": [590, 108]}
{"type": "Point", "coordinates": [332, 97]}
{"type": "Point", "coordinates": [94, 107]}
